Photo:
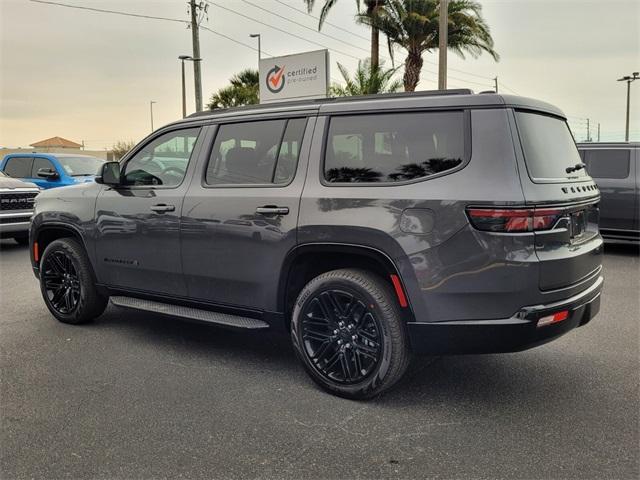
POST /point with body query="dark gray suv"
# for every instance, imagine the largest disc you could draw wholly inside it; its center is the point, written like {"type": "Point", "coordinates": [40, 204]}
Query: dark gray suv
{"type": "Point", "coordinates": [615, 167]}
{"type": "Point", "coordinates": [369, 228]}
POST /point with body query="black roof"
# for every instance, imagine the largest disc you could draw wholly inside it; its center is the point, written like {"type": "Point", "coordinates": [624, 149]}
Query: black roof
{"type": "Point", "coordinates": [461, 98]}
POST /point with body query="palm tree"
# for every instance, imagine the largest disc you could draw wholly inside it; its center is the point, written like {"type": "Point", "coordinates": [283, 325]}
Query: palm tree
{"type": "Point", "coordinates": [413, 25]}
{"type": "Point", "coordinates": [366, 80]}
{"type": "Point", "coordinates": [372, 8]}
{"type": "Point", "coordinates": [243, 90]}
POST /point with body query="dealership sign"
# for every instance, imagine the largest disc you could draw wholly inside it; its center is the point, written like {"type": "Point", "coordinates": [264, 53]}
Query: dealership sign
{"type": "Point", "coordinates": [294, 77]}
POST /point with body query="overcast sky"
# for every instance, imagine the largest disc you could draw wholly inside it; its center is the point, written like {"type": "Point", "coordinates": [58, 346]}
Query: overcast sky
{"type": "Point", "coordinates": [90, 76]}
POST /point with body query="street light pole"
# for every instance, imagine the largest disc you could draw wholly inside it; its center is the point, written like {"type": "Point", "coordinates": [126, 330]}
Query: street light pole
{"type": "Point", "coordinates": [151, 112]}
{"type": "Point", "coordinates": [182, 58]}
{"type": "Point", "coordinates": [443, 33]}
{"type": "Point", "coordinates": [257, 35]}
{"type": "Point", "coordinates": [628, 79]}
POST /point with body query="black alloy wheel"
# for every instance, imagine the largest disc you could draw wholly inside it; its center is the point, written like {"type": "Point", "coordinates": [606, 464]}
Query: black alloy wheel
{"type": "Point", "coordinates": [341, 336]}
{"type": "Point", "coordinates": [349, 333]}
{"type": "Point", "coordinates": [61, 282]}
{"type": "Point", "coordinates": [67, 283]}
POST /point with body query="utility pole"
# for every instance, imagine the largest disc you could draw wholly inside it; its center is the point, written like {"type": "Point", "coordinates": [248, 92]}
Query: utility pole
{"type": "Point", "coordinates": [598, 132]}
{"type": "Point", "coordinates": [443, 32]}
{"type": "Point", "coordinates": [195, 37]}
{"type": "Point", "coordinates": [628, 79]}
{"type": "Point", "coordinates": [495, 80]}
{"type": "Point", "coordinates": [588, 131]}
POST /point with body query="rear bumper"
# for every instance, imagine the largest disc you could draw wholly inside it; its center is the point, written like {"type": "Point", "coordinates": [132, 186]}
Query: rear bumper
{"type": "Point", "coordinates": [514, 334]}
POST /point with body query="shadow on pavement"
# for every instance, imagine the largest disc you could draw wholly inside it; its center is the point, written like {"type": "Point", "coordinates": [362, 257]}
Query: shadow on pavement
{"type": "Point", "coordinates": [621, 249]}
{"type": "Point", "coordinates": [481, 378]}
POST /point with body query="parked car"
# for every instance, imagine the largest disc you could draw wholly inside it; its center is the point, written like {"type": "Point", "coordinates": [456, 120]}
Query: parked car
{"type": "Point", "coordinates": [427, 222]}
{"type": "Point", "coordinates": [50, 170]}
{"type": "Point", "coordinates": [616, 169]}
{"type": "Point", "coordinates": [16, 208]}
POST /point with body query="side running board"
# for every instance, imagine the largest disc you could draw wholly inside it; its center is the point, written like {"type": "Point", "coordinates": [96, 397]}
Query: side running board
{"type": "Point", "coordinates": [224, 319]}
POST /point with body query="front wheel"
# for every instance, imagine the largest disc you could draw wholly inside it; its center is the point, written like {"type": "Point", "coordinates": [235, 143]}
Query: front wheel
{"type": "Point", "coordinates": [67, 283]}
{"type": "Point", "coordinates": [348, 332]}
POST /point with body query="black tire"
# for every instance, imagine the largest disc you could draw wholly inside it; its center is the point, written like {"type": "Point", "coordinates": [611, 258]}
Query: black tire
{"type": "Point", "coordinates": [22, 239]}
{"type": "Point", "coordinates": [78, 283]}
{"type": "Point", "coordinates": [319, 335]}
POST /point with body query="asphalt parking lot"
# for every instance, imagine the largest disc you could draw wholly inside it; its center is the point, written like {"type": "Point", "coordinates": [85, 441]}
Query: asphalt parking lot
{"type": "Point", "coordinates": [140, 396]}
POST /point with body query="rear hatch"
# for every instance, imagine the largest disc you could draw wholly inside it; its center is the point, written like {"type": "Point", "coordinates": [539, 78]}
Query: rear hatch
{"type": "Point", "coordinates": [557, 185]}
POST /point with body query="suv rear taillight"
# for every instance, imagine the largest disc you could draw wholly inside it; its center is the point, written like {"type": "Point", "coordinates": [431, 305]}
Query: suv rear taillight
{"type": "Point", "coordinates": [513, 220]}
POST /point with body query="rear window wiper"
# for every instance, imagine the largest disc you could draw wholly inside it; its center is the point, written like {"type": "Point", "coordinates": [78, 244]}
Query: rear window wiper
{"type": "Point", "coordinates": [575, 168]}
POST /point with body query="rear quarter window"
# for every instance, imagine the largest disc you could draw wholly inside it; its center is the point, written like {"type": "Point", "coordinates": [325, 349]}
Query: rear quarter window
{"type": "Point", "coordinates": [607, 163]}
{"type": "Point", "coordinates": [393, 147]}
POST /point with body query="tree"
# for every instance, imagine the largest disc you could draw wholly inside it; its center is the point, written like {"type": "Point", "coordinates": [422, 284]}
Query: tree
{"type": "Point", "coordinates": [366, 80]}
{"type": "Point", "coordinates": [243, 90]}
{"type": "Point", "coordinates": [121, 147]}
{"type": "Point", "coordinates": [372, 8]}
{"type": "Point", "coordinates": [413, 26]}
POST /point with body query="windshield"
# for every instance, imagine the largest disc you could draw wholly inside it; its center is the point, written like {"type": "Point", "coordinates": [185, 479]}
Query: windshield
{"type": "Point", "coordinates": [549, 148]}
{"type": "Point", "coordinates": [77, 166]}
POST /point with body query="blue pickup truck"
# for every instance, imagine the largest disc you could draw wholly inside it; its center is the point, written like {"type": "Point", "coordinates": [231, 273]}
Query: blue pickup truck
{"type": "Point", "coordinates": [49, 170]}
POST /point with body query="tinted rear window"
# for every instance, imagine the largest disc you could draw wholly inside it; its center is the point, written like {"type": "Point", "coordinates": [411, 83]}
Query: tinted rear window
{"type": "Point", "coordinates": [393, 147]}
{"type": "Point", "coordinates": [607, 163]}
{"type": "Point", "coordinates": [19, 167]}
{"type": "Point", "coordinates": [548, 147]}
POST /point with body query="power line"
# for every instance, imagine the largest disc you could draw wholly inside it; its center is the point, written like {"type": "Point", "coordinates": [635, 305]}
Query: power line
{"type": "Point", "coordinates": [114, 12]}
{"type": "Point", "coordinates": [305, 26]}
{"type": "Point", "coordinates": [282, 30]}
{"type": "Point", "coordinates": [327, 22]}
{"type": "Point", "coordinates": [367, 39]}
{"type": "Point", "coordinates": [222, 35]}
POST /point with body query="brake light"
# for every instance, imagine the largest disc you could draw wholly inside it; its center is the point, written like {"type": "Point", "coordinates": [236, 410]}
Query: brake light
{"type": "Point", "coordinates": [551, 319]}
{"type": "Point", "coordinates": [513, 219]}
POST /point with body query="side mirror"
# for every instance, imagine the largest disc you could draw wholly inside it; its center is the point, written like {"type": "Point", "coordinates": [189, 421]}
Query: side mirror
{"type": "Point", "coordinates": [47, 173]}
{"type": "Point", "coordinates": [109, 174]}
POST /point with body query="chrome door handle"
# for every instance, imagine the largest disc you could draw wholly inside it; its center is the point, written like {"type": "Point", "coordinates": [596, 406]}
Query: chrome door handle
{"type": "Point", "coordinates": [272, 210]}
{"type": "Point", "coordinates": [162, 208]}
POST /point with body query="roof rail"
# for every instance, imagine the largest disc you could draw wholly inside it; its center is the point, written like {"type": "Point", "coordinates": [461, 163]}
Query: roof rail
{"type": "Point", "coordinates": [319, 101]}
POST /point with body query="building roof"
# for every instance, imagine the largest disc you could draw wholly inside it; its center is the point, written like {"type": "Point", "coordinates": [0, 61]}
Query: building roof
{"type": "Point", "coordinates": [56, 142]}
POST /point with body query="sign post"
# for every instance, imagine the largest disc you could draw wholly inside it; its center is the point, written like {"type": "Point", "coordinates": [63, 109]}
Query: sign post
{"type": "Point", "coordinates": [294, 77]}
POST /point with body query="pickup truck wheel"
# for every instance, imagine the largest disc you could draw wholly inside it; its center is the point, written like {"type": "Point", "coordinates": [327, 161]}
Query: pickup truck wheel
{"type": "Point", "coordinates": [348, 332]}
{"type": "Point", "coordinates": [67, 283]}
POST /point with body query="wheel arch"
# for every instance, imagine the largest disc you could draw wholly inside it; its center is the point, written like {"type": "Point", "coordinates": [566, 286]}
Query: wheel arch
{"type": "Point", "coordinates": [49, 232]}
{"type": "Point", "coordinates": [307, 261]}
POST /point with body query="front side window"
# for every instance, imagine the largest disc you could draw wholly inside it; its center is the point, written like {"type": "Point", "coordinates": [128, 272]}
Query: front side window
{"type": "Point", "coordinates": [19, 167]}
{"type": "Point", "coordinates": [393, 147]}
{"type": "Point", "coordinates": [256, 153]}
{"type": "Point", "coordinates": [162, 162]}
{"type": "Point", "coordinates": [40, 163]}
{"type": "Point", "coordinates": [607, 163]}
{"type": "Point", "coordinates": [549, 148]}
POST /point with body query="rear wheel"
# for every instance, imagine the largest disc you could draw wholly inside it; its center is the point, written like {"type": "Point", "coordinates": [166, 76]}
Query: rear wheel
{"type": "Point", "coordinates": [67, 283]}
{"type": "Point", "coordinates": [348, 332]}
